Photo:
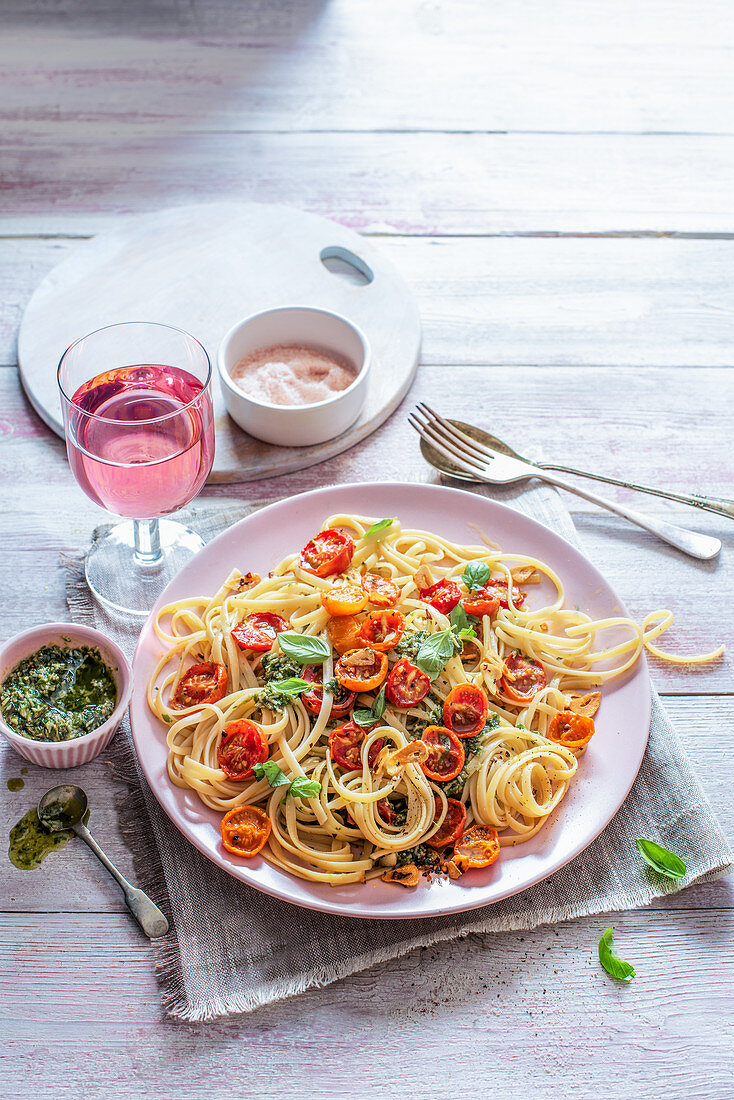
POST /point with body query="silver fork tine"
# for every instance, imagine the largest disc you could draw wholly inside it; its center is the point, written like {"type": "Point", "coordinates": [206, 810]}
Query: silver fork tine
{"type": "Point", "coordinates": [475, 445]}
{"type": "Point", "coordinates": [425, 431]}
{"type": "Point", "coordinates": [446, 431]}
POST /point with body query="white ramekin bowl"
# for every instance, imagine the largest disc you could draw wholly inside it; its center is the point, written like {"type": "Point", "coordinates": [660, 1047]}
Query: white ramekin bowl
{"type": "Point", "coordinates": [80, 750]}
{"type": "Point", "coordinates": [295, 425]}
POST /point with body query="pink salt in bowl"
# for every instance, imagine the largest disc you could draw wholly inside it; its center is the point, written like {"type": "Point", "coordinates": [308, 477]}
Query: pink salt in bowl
{"type": "Point", "coordinates": [304, 422]}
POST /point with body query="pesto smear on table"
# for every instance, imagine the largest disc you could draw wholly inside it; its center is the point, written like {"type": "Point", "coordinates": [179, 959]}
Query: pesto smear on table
{"type": "Point", "coordinates": [57, 694]}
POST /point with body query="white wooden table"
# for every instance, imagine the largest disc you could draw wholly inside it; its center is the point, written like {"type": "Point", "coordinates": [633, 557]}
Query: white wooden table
{"type": "Point", "coordinates": [554, 180]}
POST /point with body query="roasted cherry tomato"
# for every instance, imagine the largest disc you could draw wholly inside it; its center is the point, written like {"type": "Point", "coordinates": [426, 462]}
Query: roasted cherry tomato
{"type": "Point", "coordinates": [478, 847]}
{"type": "Point", "coordinates": [344, 599]}
{"type": "Point", "coordinates": [243, 745]}
{"type": "Point", "coordinates": [446, 754]}
{"type": "Point", "coordinates": [386, 811]}
{"type": "Point", "coordinates": [380, 592]}
{"type": "Point", "coordinates": [245, 830]}
{"type": "Point", "coordinates": [361, 669]}
{"type": "Point", "coordinates": [345, 746]}
{"type": "Point", "coordinates": [258, 631]}
{"type": "Point", "coordinates": [382, 629]}
{"type": "Point", "coordinates": [443, 595]}
{"type": "Point", "coordinates": [481, 602]}
{"type": "Point", "coordinates": [465, 710]}
{"type": "Point", "coordinates": [202, 683]}
{"type": "Point", "coordinates": [344, 632]}
{"type": "Point", "coordinates": [497, 589]}
{"type": "Point", "coordinates": [522, 678]}
{"type": "Point", "coordinates": [327, 553]}
{"type": "Point", "coordinates": [452, 825]}
{"type": "Point", "coordinates": [406, 684]}
{"type": "Point", "coordinates": [572, 730]}
{"type": "Point", "coordinates": [342, 701]}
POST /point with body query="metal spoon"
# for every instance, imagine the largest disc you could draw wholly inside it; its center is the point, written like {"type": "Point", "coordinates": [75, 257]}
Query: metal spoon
{"type": "Point", "coordinates": [63, 808]}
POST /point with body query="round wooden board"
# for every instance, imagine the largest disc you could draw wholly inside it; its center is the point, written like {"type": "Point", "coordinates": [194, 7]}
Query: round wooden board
{"type": "Point", "coordinates": [203, 268]}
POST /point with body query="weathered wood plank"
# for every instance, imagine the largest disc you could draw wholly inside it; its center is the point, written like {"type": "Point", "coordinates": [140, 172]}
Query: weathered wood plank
{"type": "Point", "coordinates": [549, 301]}
{"type": "Point", "coordinates": [96, 979]}
{"type": "Point", "coordinates": [386, 183]}
{"type": "Point", "coordinates": [312, 65]}
{"type": "Point", "coordinates": [73, 881]}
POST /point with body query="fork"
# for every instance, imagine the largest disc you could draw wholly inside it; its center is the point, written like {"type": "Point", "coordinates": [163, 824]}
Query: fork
{"type": "Point", "coordinates": [483, 463]}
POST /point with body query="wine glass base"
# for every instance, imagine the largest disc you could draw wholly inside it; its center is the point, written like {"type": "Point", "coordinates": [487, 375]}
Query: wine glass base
{"type": "Point", "coordinates": [118, 579]}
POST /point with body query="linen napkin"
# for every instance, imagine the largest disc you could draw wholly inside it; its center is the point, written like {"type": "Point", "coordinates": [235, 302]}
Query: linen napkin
{"type": "Point", "coordinates": [232, 948]}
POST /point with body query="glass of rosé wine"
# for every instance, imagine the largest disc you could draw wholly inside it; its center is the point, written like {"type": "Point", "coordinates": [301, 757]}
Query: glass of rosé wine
{"type": "Point", "coordinates": [139, 425]}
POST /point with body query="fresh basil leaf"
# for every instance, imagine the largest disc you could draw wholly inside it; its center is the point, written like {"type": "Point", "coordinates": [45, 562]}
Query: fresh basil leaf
{"type": "Point", "coordinates": [614, 966]}
{"type": "Point", "coordinates": [305, 649]}
{"type": "Point", "coordinates": [378, 707]}
{"type": "Point", "coordinates": [467, 632]}
{"type": "Point", "coordinates": [363, 717]}
{"type": "Point", "coordinates": [272, 772]}
{"type": "Point", "coordinates": [660, 859]}
{"type": "Point", "coordinates": [377, 528]}
{"type": "Point", "coordinates": [461, 621]}
{"type": "Point", "coordinates": [476, 574]}
{"type": "Point", "coordinates": [435, 652]}
{"type": "Point", "coordinates": [301, 787]}
{"type": "Point", "coordinates": [294, 685]}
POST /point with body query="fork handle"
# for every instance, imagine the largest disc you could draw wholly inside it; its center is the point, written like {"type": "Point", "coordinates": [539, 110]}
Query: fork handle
{"type": "Point", "coordinates": [720, 505]}
{"type": "Point", "coordinates": [691, 542]}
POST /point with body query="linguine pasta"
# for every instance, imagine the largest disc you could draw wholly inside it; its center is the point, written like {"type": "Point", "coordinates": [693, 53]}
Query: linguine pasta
{"type": "Point", "coordinates": [382, 811]}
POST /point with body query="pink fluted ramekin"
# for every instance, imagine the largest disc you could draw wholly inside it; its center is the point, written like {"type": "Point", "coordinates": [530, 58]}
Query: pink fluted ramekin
{"type": "Point", "coordinates": [80, 750]}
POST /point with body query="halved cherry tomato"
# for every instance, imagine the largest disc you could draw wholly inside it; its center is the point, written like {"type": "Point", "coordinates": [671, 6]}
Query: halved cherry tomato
{"type": "Point", "coordinates": [478, 847]}
{"type": "Point", "coordinates": [407, 684]}
{"type": "Point", "coordinates": [342, 701]}
{"type": "Point", "coordinates": [443, 595]}
{"type": "Point", "coordinates": [327, 553]}
{"type": "Point", "coordinates": [386, 811]}
{"type": "Point", "coordinates": [497, 589]}
{"type": "Point", "coordinates": [522, 678]}
{"type": "Point", "coordinates": [258, 631]}
{"type": "Point", "coordinates": [345, 746]}
{"type": "Point", "coordinates": [245, 831]}
{"type": "Point", "coordinates": [344, 632]}
{"type": "Point", "coordinates": [243, 745]}
{"type": "Point", "coordinates": [482, 602]}
{"type": "Point", "coordinates": [465, 710]}
{"type": "Point", "coordinates": [202, 683]}
{"type": "Point", "coordinates": [361, 669]}
{"type": "Point", "coordinates": [452, 825]}
{"type": "Point", "coordinates": [446, 754]}
{"type": "Point", "coordinates": [380, 591]}
{"type": "Point", "coordinates": [572, 730]}
{"type": "Point", "coordinates": [382, 629]}
{"type": "Point", "coordinates": [344, 599]}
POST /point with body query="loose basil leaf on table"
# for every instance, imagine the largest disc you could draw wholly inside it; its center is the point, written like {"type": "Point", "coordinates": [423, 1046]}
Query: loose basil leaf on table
{"type": "Point", "coordinates": [271, 771]}
{"type": "Point", "coordinates": [305, 649]}
{"type": "Point", "coordinates": [378, 528]}
{"type": "Point", "coordinates": [614, 966]}
{"type": "Point", "coordinates": [435, 652]}
{"type": "Point", "coordinates": [301, 787]}
{"type": "Point", "coordinates": [476, 574]}
{"type": "Point", "coordinates": [660, 859]}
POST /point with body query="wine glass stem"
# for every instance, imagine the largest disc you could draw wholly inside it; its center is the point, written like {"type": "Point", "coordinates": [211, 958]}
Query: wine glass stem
{"type": "Point", "coordinates": [147, 542]}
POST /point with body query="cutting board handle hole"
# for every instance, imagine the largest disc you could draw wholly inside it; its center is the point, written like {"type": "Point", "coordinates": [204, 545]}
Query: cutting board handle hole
{"type": "Point", "coordinates": [347, 265]}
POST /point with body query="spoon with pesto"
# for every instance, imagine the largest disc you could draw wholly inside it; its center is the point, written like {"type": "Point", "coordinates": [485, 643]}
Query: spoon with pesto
{"type": "Point", "coordinates": [62, 808]}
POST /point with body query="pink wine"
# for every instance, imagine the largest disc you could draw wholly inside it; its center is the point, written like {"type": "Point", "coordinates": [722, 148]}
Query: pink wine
{"type": "Point", "coordinates": [131, 462]}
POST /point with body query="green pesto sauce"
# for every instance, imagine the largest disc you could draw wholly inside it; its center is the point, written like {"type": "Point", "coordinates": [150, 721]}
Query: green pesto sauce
{"type": "Point", "coordinates": [16, 784]}
{"type": "Point", "coordinates": [58, 693]}
{"type": "Point", "coordinates": [30, 843]}
{"type": "Point", "coordinates": [24, 771]}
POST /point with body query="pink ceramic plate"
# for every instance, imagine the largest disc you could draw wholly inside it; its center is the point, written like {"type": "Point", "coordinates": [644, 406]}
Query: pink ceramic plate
{"type": "Point", "coordinates": [606, 771]}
